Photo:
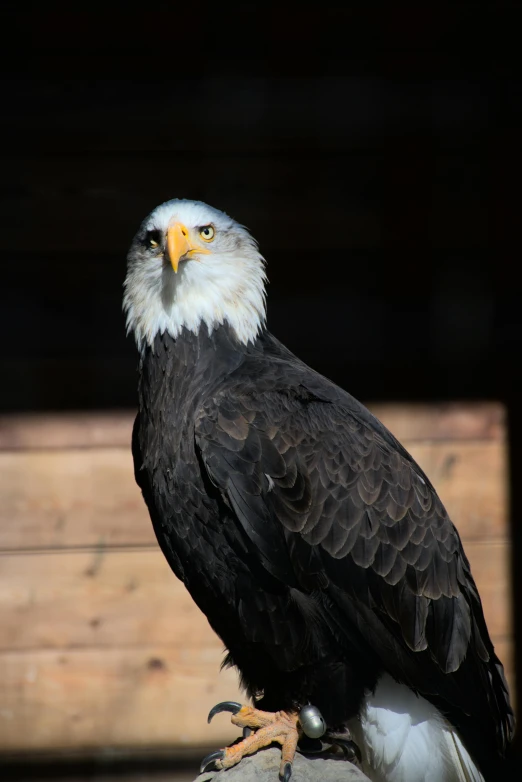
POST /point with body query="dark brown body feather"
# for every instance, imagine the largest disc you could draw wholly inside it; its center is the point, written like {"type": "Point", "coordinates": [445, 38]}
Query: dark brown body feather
{"type": "Point", "coordinates": [317, 548]}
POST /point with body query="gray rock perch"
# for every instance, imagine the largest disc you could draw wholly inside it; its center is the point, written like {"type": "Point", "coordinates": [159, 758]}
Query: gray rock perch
{"type": "Point", "coordinates": [264, 767]}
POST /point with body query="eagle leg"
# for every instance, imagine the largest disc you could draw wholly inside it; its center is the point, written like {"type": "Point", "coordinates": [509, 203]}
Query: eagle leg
{"type": "Point", "coordinates": [282, 727]}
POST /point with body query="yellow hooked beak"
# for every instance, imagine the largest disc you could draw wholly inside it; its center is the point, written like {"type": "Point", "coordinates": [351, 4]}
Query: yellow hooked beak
{"type": "Point", "coordinates": [179, 244]}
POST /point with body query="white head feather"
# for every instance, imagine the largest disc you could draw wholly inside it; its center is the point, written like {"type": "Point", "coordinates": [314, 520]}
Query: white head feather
{"type": "Point", "coordinates": [226, 284]}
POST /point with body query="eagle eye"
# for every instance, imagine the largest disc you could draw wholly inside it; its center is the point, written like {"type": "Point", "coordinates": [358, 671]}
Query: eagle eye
{"type": "Point", "coordinates": [207, 232]}
{"type": "Point", "coordinates": [153, 239]}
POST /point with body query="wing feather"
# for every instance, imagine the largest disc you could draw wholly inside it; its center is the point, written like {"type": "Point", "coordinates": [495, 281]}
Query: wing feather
{"type": "Point", "coordinates": [331, 504]}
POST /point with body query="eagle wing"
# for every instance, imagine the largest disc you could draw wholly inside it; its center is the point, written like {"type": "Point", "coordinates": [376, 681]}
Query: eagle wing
{"type": "Point", "coordinates": [332, 505]}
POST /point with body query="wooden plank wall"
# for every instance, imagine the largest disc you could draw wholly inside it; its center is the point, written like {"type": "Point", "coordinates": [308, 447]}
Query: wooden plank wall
{"type": "Point", "coordinates": [100, 645]}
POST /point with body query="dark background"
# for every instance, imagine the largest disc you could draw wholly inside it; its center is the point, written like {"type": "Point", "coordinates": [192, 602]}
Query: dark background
{"type": "Point", "coordinates": [373, 150]}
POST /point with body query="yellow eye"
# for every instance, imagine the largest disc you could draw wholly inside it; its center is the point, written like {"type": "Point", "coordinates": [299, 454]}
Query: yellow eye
{"type": "Point", "coordinates": [207, 233]}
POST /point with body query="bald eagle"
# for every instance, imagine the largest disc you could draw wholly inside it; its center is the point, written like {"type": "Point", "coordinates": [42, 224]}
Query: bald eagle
{"type": "Point", "coordinates": [315, 545]}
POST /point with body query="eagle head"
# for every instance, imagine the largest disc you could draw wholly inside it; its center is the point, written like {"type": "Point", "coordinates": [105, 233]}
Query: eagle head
{"type": "Point", "coordinates": [191, 264]}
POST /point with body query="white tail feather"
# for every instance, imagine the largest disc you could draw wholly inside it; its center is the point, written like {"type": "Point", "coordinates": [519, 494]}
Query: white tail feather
{"type": "Point", "coordinates": [468, 771]}
{"type": "Point", "coordinates": [404, 738]}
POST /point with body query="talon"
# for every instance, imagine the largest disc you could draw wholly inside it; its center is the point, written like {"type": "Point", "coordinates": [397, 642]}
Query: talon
{"type": "Point", "coordinates": [268, 726]}
{"type": "Point", "coordinates": [210, 762]}
{"type": "Point", "coordinates": [231, 706]}
{"type": "Point", "coordinates": [349, 748]}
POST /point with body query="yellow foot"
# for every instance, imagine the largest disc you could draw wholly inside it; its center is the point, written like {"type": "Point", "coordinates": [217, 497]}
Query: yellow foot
{"type": "Point", "coordinates": [280, 726]}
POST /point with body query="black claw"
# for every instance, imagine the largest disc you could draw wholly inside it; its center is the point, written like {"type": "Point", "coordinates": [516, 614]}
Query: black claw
{"type": "Point", "coordinates": [349, 748]}
{"type": "Point", "coordinates": [287, 773]}
{"type": "Point", "coordinates": [207, 764]}
{"type": "Point", "coordinates": [231, 706]}
{"type": "Point", "coordinates": [247, 732]}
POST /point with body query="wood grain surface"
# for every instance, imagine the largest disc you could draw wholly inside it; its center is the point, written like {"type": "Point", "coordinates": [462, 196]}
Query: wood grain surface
{"type": "Point", "coordinates": [102, 647]}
